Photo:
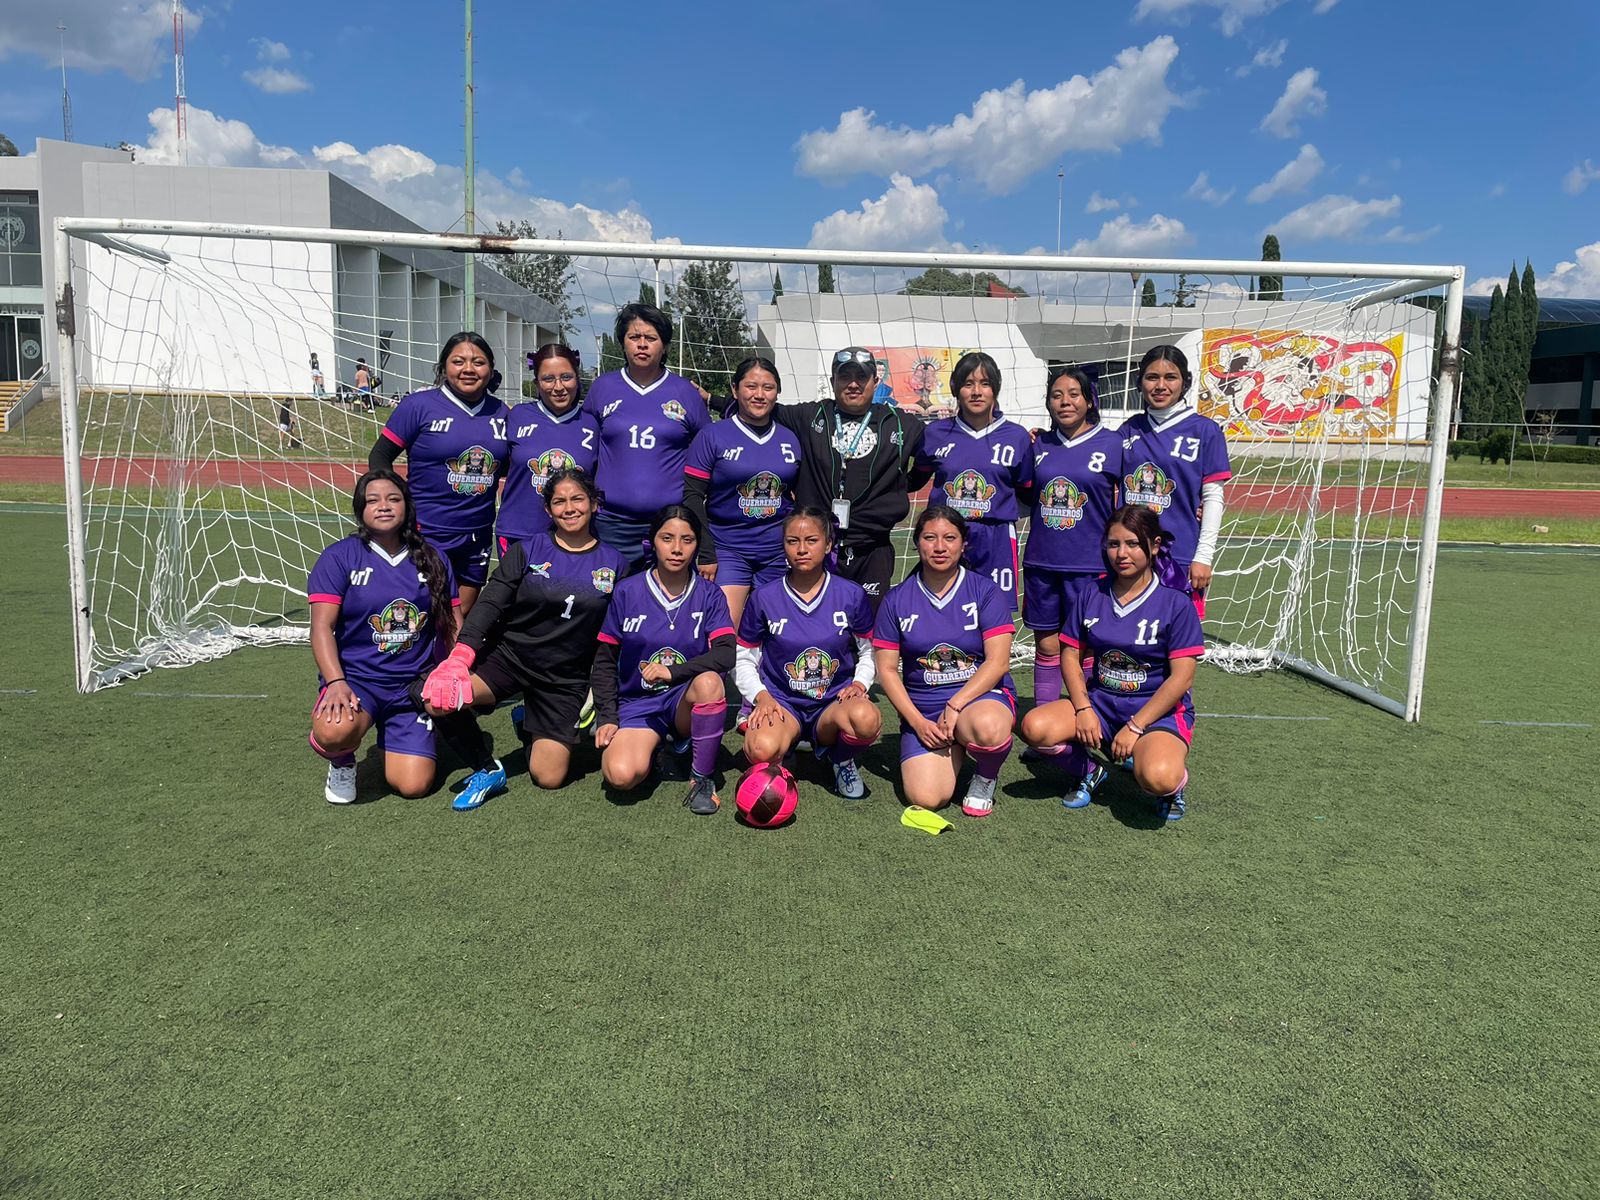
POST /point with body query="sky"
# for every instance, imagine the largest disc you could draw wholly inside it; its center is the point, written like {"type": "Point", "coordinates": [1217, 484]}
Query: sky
{"type": "Point", "coordinates": [1354, 130]}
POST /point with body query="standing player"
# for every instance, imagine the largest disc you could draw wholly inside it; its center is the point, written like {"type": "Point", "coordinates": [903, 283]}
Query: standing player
{"type": "Point", "coordinates": [665, 645]}
{"type": "Point", "coordinates": [647, 418]}
{"type": "Point", "coordinates": [1175, 462]}
{"type": "Point", "coordinates": [1144, 639]}
{"type": "Point", "coordinates": [545, 435]}
{"type": "Point", "coordinates": [532, 631]}
{"type": "Point", "coordinates": [805, 658]}
{"type": "Point", "coordinates": [943, 648]}
{"type": "Point", "coordinates": [454, 439]}
{"type": "Point", "coordinates": [1077, 466]}
{"type": "Point", "coordinates": [382, 610]}
{"type": "Point", "coordinates": [979, 461]}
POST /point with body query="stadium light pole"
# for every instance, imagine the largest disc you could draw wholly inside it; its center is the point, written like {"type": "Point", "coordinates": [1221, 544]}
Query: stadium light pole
{"type": "Point", "coordinates": [469, 283]}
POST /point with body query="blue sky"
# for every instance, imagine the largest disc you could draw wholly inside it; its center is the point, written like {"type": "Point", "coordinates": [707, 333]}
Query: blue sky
{"type": "Point", "coordinates": [1356, 130]}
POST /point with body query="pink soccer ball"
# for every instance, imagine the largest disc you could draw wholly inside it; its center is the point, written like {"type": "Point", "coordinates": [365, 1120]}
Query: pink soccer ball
{"type": "Point", "coordinates": [767, 795]}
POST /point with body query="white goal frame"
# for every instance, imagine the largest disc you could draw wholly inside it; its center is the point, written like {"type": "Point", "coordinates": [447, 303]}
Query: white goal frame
{"type": "Point", "coordinates": [1405, 280]}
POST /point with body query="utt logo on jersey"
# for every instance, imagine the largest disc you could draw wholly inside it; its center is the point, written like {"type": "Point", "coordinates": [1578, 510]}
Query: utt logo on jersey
{"type": "Point", "coordinates": [1060, 503]}
{"type": "Point", "coordinates": [471, 472]}
{"type": "Point", "coordinates": [674, 411]}
{"type": "Point", "coordinates": [947, 664]}
{"type": "Point", "coordinates": [760, 496]}
{"type": "Point", "coordinates": [1148, 485]}
{"type": "Point", "coordinates": [1119, 673]}
{"type": "Point", "coordinates": [812, 672]}
{"type": "Point", "coordinates": [969, 494]}
{"type": "Point", "coordinates": [664, 657]}
{"type": "Point", "coordinates": [604, 579]}
{"type": "Point", "coordinates": [397, 627]}
{"type": "Point", "coordinates": [547, 464]}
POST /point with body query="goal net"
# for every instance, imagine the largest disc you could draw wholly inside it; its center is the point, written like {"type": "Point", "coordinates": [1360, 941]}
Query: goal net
{"type": "Point", "coordinates": [213, 460]}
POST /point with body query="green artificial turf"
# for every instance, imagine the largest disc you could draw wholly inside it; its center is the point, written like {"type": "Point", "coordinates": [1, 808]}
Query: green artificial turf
{"type": "Point", "coordinates": [1363, 966]}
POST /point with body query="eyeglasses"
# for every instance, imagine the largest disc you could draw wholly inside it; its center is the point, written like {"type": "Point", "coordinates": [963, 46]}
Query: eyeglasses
{"type": "Point", "coordinates": [860, 358]}
{"type": "Point", "coordinates": [547, 380]}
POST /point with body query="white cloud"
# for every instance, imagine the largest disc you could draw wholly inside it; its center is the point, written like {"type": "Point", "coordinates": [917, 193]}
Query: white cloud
{"type": "Point", "coordinates": [1010, 133]}
{"type": "Point", "coordinates": [1099, 203]}
{"type": "Point", "coordinates": [384, 164]}
{"type": "Point", "coordinates": [1201, 189]}
{"type": "Point", "coordinates": [1294, 176]}
{"type": "Point", "coordinates": [277, 81]}
{"type": "Point", "coordinates": [1575, 278]}
{"type": "Point", "coordinates": [1580, 177]}
{"type": "Point", "coordinates": [1269, 57]}
{"type": "Point", "coordinates": [1231, 14]}
{"type": "Point", "coordinates": [123, 35]}
{"type": "Point", "coordinates": [1323, 6]}
{"type": "Point", "coordinates": [1342, 219]}
{"type": "Point", "coordinates": [269, 51]}
{"type": "Point", "coordinates": [1301, 98]}
{"type": "Point", "coordinates": [906, 217]}
{"type": "Point", "coordinates": [1122, 237]}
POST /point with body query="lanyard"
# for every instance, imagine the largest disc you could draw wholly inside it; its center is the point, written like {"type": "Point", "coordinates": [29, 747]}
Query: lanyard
{"type": "Point", "coordinates": [846, 454]}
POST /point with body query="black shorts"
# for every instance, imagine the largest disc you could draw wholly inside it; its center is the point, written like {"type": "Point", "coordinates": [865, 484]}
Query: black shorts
{"type": "Point", "coordinates": [872, 566]}
{"type": "Point", "coordinates": [550, 706]}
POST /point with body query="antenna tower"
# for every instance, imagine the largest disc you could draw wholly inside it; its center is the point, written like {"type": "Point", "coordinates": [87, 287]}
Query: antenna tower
{"type": "Point", "coordinates": [180, 103]}
{"type": "Point", "coordinates": [66, 100]}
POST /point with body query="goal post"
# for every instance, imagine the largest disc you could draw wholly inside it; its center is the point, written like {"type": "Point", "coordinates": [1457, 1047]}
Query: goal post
{"type": "Point", "coordinates": [193, 520]}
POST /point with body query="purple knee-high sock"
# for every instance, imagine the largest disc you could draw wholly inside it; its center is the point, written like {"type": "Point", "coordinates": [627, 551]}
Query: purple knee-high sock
{"type": "Point", "coordinates": [347, 759]}
{"type": "Point", "coordinates": [986, 760]}
{"type": "Point", "coordinates": [1074, 759]}
{"type": "Point", "coordinates": [705, 730]}
{"type": "Point", "coordinates": [846, 748]}
{"type": "Point", "coordinates": [1046, 679]}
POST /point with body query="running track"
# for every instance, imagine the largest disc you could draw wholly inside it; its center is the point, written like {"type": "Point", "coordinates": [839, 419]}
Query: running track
{"type": "Point", "coordinates": [1458, 502]}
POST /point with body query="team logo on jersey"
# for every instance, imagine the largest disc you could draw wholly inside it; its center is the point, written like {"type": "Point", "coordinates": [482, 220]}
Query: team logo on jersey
{"type": "Point", "coordinates": [947, 664]}
{"type": "Point", "coordinates": [397, 627]}
{"type": "Point", "coordinates": [1117, 672]}
{"type": "Point", "coordinates": [970, 494]}
{"type": "Point", "coordinates": [604, 579]}
{"type": "Point", "coordinates": [760, 496]}
{"type": "Point", "coordinates": [472, 472]}
{"type": "Point", "coordinates": [1060, 503]}
{"type": "Point", "coordinates": [664, 657]}
{"type": "Point", "coordinates": [542, 570]}
{"type": "Point", "coordinates": [547, 464]}
{"type": "Point", "coordinates": [1148, 485]}
{"type": "Point", "coordinates": [812, 672]}
{"type": "Point", "coordinates": [674, 411]}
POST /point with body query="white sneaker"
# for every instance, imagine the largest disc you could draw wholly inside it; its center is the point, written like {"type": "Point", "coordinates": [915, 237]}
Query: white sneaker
{"type": "Point", "coordinates": [341, 785]}
{"type": "Point", "coordinates": [980, 797]}
{"type": "Point", "coordinates": [847, 780]}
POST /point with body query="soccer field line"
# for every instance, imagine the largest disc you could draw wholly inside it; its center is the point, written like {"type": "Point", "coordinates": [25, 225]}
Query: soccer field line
{"type": "Point", "coordinates": [1210, 716]}
{"type": "Point", "coordinates": [205, 695]}
{"type": "Point", "coordinates": [1541, 724]}
{"type": "Point", "coordinates": [19, 691]}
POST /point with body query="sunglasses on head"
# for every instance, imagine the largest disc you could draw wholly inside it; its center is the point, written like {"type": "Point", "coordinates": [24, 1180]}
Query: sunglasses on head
{"type": "Point", "coordinates": [859, 358]}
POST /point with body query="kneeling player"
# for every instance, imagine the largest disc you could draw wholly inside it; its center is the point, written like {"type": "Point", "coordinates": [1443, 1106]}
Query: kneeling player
{"type": "Point", "coordinates": [805, 659]}
{"type": "Point", "coordinates": [665, 645]}
{"type": "Point", "coordinates": [943, 648]}
{"type": "Point", "coordinates": [382, 610]}
{"type": "Point", "coordinates": [1144, 639]}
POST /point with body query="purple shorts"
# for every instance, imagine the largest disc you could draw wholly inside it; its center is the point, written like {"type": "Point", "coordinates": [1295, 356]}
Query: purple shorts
{"type": "Point", "coordinates": [748, 567]}
{"type": "Point", "coordinates": [468, 553]}
{"type": "Point", "coordinates": [402, 727]}
{"type": "Point", "coordinates": [807, 712]}
{"type": "Point", "coordinates": [992, 551]}
{"type": "Point", "coordinates": [1114, 712]}
{"type": "Point", "coordinates": [911, 745]}
{"type": "Point", "coordinates": [1045, 593]}
{"type": "Point", "coordinates": [658, 713]}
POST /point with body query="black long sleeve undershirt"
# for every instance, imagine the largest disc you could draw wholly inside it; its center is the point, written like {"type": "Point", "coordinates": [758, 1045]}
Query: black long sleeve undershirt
{"type": "Point", "coordinates": [383, 454]}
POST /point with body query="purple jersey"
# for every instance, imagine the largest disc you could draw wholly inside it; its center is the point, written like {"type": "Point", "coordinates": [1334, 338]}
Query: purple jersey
{"type": "Point", "coordinates": [977, 472]}
{"type": "Point", "coordinates": [644, 438]}
{"type": "Point", "coordinates": [940, 639]}
{"type": "Point", "coordinates": [542, 443]}
{"type": "Point", "coordinates": [384, 630]}
{"type": "Point", "coordinates": [1132, 643]}
{"type": "Point", "coordinates": [1074, 495]}
{"type": "Point", "coordinates": [647, 627]}
{"type": "Point", "coordinates": [1163, 467]}
{"type": "Point", "coordinates": [808, 650]}
{"type": "Point", "coordinates": [749, 480]}
{"type": "Point", "coordinates": [455, 456]}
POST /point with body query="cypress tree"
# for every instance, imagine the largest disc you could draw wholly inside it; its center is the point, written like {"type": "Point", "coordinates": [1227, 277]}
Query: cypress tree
{"type": "Point", "coordinates": [1270, 287]}
{"type": "Point", "coordinates": [777, 284]}
{"type": "Point", "coordinates": [1513, 361]}
{"type": "Point", "coordinates": [824, 277]}
{"type": "Point", "coordinates": [1147, 298]}
{"type": "Point", "coordinates": [1494, 355]}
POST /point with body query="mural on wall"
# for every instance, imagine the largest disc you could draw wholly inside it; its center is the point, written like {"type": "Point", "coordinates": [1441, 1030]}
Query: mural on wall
{"type": "Point", "coordinates": [916, 378]}
{"type": "Point", "coordinates": [1275, 385]}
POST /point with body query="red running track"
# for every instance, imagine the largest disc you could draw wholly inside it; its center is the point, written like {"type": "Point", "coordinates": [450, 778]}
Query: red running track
{"type": "Point", "coordinates": [1255, 497]}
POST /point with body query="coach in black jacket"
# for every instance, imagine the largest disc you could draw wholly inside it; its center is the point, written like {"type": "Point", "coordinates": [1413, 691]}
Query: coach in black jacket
{"type": "Point", "coordinates": [854, 460]}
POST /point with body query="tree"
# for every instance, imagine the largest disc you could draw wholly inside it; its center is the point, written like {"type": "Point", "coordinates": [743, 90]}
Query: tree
{"type": "Point", "coordinates": [549, 276]}
{"type": "Point", "coordinates": [610, 354]}
{"type": "Point", "coordinates": [825, 277]}
{"type": "Point", "coordinates": [8, 148]}
{"type": "Point", "coordinates": [1147, 298]}
{"type": "Point", "coordinates": [941, 281]}
{"type": "Point", "coordinates": [1182, 294]}
{"type": "Point", "coordinates": [647, 293]}
{"type": "Point", "coordinates": [712, 336]}
{"type": "Point", "coordinates": [1270, 287]}
{"type": "Point", "coordinates": [777, 284]}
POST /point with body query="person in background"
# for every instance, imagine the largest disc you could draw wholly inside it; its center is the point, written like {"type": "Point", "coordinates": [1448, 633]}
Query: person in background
{"type": "Point", "coordinates": [318, 391]}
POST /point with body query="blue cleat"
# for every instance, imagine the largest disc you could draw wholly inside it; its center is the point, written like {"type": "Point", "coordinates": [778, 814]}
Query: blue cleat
{"type": "Point", "coordinates": [480, 787]}
{"type": "Point", "coordinates": [1083, 794]}
{"type": "Point", "coordinates": [1171, 808]}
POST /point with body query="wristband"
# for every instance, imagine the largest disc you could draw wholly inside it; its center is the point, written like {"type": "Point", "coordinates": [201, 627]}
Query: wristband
{"type": "Point", "coordinates": [1137, 729]}
{"type": "Point", "coordinates": [330, 682]}
{"type": "Point", "coordinates": [1085, 708]}
{"type": "Point", "coordinates": [951, 704]}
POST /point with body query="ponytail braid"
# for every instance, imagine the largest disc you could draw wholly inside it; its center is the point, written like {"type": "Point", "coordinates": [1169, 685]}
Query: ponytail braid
{"type": "Point", "coordinates": [431, 563]}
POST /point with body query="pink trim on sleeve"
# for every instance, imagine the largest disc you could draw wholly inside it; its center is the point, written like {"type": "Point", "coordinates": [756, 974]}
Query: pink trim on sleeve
{"type": "Point", "coordinates": [880, 644]}
{"type": "Point", "coordinates": [697, 472]}
{"type": "Point", "coordinates": [748, 645]}
{"type": "Point", "coordinates": [1073, 642]}
{"type": "Point", "coordinates": [324, 598]}
{"type": "Point", "coordinates": [1188, 652]}
{"type": "Point", "coordinates": [725, 631]}
{"type": "Point", "coordinates": [607, 639]}
{"type": "Point", "coordinates": [1218, 477]}
{"type": "Point", "coordinates": [393, 437]}
{"type": "Point", "coordinates": [1008, 627]}
{"type": "Point", "coordinates": [455, 601]}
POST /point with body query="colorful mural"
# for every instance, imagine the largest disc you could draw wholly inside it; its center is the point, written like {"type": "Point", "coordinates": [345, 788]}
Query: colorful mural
{"type": "Point", "coordinates": [1272, 385]}
{"type": "Point", "coordinates": [916, 377]}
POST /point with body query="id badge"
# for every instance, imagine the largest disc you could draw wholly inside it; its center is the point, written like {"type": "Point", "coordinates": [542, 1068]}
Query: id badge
{"type": "Point", "coordinates": [841, 513]}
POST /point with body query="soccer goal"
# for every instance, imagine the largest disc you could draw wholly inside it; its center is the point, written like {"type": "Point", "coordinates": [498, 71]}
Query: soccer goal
{"type": "Point", "coordinates": [208, 461]}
